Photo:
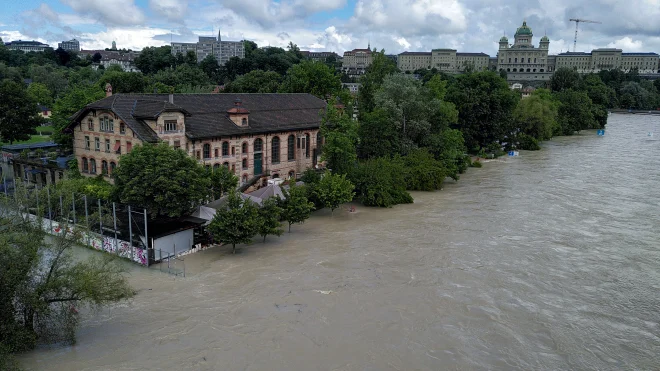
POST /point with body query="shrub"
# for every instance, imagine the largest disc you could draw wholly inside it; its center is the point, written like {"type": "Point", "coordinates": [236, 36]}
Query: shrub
{"type": "Point", "coordinates": [476, 163]}
{"type": "Point", "coordinates": [380, 182]}
{"type": "Point", "coordinates": [528, 142]}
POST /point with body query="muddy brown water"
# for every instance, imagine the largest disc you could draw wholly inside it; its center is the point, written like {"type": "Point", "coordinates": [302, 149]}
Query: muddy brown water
{"type": "Point", "coordinates": [546, 261]}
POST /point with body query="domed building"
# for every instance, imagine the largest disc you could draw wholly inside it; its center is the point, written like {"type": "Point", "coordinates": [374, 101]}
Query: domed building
{"type": "Point", "coordinates": [522, 60]}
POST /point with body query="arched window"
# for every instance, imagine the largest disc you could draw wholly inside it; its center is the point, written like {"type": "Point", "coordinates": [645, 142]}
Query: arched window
{"type": "Point", "coordinates": [508, 70]}
{"type": "Point", "coordinates": [104, 167]}
{"type": "Point", "coordinates": [225, 149]}
{"type": "Point", "coordinates": [516, 60]}
{"type": "Point", "coordinates": [292, 174]}
{"type": "Point", "coordinates": [291, 148]}
{"type": "Point", "coordinates": [112, 167]}
{"type": "Point", "coordinates": [528, 70]}
{"type": "Point", "coordinates": [216, 167]}
{"type": "Point", "coordinates": [258, 145]}
{"type": "Point", "coordinates": [276, 175]}
{"type": "Point", "coordinates": [308, 143]}
{"type": "Point", "coordinates": [534, 70]}
{"type": "Point", "coordinates": [226, 164]}
{"type": "Point", "coordinates": [529, 60]}
{"type": "Point", "coordinates": [319, 141]}
{"type": "Point", "coordinates": [245, 148]}
{"type": "Point", "coordinates": [245, 178]}
{"type": "Point", "coordinates": [541, 69]}
{"type": "Point", "coordinates": [275, 150]}
{"type": "Point", "coordinates": [245, 164]}
{"type": "Point", "coordinates": [534, 60]}
{"type": "Point", "coordinates": [515, 70]}
{"type": "Point", "coordinates": [85, 165]}
{"type": "Point", "coordinates": [216, 152]}
{"type": "Point", "coordinates": [92, 166]}
{"type": "Point", "coordinates": [244, 121]}
{"type": "Point", "coordinates": [207, 150]}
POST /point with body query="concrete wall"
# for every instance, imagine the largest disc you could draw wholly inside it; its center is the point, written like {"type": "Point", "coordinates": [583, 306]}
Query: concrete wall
{"type": "Point", "coordinates": [178, 242]}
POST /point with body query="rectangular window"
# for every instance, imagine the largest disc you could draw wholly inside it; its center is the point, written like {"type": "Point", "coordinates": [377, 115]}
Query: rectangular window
{"type": "Point", "coordinates": [107, 145]}
{"type": "Point", "coordinates": [87, 143]}
{"type": "Point", "coordinates": [118, 147]}
{"type": "Point", "coordinates": [170, 126]}
{"type": "Point", "coordinates": [97, 144]}
{"type": "Point", "coordinates": [177, 144]}
{"type": "Point", "coordinates": [90, 124]}
{"type": "Point", "coordinates": [122, 128]}
{"type": "Point", "coordinates": [199, 156]}
{"type": "Point", "coordinates": [129, 147]}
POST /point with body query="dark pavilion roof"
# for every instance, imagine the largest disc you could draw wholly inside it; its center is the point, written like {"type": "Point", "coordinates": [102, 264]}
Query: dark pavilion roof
{"type": "Point", "coordinates": [207, 115]}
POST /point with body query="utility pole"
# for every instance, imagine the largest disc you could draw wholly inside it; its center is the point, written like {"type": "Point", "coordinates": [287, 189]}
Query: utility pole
{"type": "Point", "coordinates": [577, 22]}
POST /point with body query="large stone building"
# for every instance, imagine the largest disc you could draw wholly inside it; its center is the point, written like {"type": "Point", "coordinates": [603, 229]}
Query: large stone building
{"type": "Point", "coordinates": [125, 60]}
{"type": "Point", "coordinates": [27, 46]}
{"type": "Point", "coordinates": [319, 56]}
{"type": "Point", "coordinates": [71, 45]}
{"type": "Point", "coordinates": [447, 60]}
{"type": "Point", "coordinates": [607, 59]}
{"type": "Point", "coordinates": [254, 135]}
{"type": "Point", "coordinates": [356, 61]}
{"type": "Point", "coordinates": [209, 45]}
{"type": "Point", "coordinates": [522, 60]}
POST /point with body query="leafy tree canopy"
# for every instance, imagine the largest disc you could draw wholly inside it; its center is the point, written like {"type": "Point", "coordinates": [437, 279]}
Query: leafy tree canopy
{"type": "Point", "coordinates": [311, 77]}
{"type": "Point", "coordinates": [164, 180]}
{"type": "Point", "coordinates": [18, 112]}
{"type": "Point", "coordinates": [333, 190]}
{"type": "Point", "coordinates": [236, 223]}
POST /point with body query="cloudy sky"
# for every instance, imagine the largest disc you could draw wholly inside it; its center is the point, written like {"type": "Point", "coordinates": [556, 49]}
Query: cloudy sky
{"type": "Point", "coordinates": [335, 25]}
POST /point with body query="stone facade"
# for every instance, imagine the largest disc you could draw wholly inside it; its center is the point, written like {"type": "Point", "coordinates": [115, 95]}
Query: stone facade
{"type": "Point", "coordinates": [356, 61]}
{"type": "Point", "coordinates": [607, 59]}
{"type": "Point", "coordinates": [447, 60]}
{"type": "Point", "coordinates": [522, 60]}
{"type": "Point", "coordinates": [264, 147]}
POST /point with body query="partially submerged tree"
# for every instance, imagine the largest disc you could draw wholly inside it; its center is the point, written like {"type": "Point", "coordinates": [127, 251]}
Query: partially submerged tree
{"type": "Point", "coordinates": [42, 284]}
{"type": "Point", "coordinates": [236, 222]}
{"type": "Point", "coordinates": [269, 218]}
{"type": "Point", "coordinates": [296, 207]}
{"type": "Point", "coordinates": [334, 190]}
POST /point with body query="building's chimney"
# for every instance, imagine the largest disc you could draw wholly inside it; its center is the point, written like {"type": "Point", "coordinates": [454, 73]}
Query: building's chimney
{"type": "Point", "coordinates": [171, 98]}
{"type": "Point", "coordinates": [108, 89]}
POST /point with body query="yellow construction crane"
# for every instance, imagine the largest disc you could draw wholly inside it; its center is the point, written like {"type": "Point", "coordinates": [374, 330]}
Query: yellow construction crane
{"type": "Point", "coordinates": [577, 22]}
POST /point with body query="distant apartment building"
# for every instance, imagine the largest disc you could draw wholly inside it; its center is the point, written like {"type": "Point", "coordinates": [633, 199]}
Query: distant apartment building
{"type": "Point", "coordinates": [356, 61]}
{"type": "Point", "coordinates": [209, 45]}
{"type": "Point", "coordinates": [27, 46]}
{"type": "Point", "coordinates": [109, 58]}
{"type": "Point", "coordinates": [446, 60]}
{"type": "Point", "coordinates": [71, 45]}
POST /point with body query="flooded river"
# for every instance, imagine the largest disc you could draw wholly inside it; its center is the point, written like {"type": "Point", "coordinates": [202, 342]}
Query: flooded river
{"type": "Point", "coordinates": [546, 261]}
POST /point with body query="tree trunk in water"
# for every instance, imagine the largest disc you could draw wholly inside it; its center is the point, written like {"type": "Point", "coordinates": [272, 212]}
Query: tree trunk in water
{"type": "Point", "coordinates": [233, 248]}
{"type": "Point", "coordinates": [289, 227]}
{"type": "Point", "coordinates": [265, 238]}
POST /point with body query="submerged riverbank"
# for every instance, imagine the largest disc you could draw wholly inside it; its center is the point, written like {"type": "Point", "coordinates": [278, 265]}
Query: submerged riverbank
{"type": "Point", "coordinates": [548, 260]}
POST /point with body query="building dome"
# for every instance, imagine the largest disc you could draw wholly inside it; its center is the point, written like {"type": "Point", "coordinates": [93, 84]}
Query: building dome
{"type": "Point", "coordinates": [524, 29]}
{"type": "Point", "coordinates": [504, 39]}
{"type": "Point", "coordinates": [545, 39]}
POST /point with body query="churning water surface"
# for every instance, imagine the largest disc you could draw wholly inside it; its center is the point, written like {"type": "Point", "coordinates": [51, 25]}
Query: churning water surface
{"type": "Point", "coordinates": [546, 261]}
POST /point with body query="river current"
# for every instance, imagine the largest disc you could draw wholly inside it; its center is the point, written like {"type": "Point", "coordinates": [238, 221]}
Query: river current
{"type": "Point", "coordinates": [546, 261]}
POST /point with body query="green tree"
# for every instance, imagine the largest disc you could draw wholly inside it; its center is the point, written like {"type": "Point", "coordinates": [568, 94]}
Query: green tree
{"type": "Point", "coordinates": [222, 181]}
{"type": "Point", "coordinates": [123, 82]}
{"type": "Point", "coordinates": [422, 172]}
{"type": "Point", "coordinates": [42, 282]}
{"type": "Point", "coordinates": [269, 218]}
{"type": "Point", "coordinates": [256, 81]}
{"type": "Point", "coordinates": [296, 208]}
{"type": "Point", "coordinates": [564, 79]}
{"type": "Point", "coordinates": [164, 180]}
{"type": "Point", "coordinates": [536, 115]}
{"type": "Point", "coordinates": [379, 136]}
{"type": "Point", "coordinates": [380, 67]}
{"type": "Point", "coordinates": [153, 59]}
{"type": "Point", "coordinates": [18, 113]}
{"type": "Point", "coordinates": [40, 94]}
{"type": "Point", "coordinates": [575, 112]}
{"type": "Point", "coordinates": [380, 182]}
{"type": "Point", "coordinates": [73, 100]}
{"type": "Point", "coordinates": [448, 147]}
{"type": "Point", "coordinates": [485, 106]}
{"type": "Point", "coordinates": [311, 77]}
{"type": "Point", "coordinates": [236, 223]}
{"type": "Point", "coordinates": [340, 134]}
{"type": "Point", "coordinates": [334, 190]}
{"type": "Point", "coordinates": [211, 68]}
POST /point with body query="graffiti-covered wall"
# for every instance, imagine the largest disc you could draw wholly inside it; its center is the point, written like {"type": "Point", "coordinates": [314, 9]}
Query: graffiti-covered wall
{"type": "Point", "coordinates": [98, 242]}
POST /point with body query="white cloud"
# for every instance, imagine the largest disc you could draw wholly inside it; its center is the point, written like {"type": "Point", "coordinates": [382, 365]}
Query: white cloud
{"type": "Point", "coordinates": [403, 42]}
{"type": "Point", "coordinates": [173, 10]}
{"type": "Point", "coordinates": [627, 44]}
{"type": "Point", "coordinates": [269, 12]}
{"type": "Point", "coordinates": [115, 12]}
{"type": "Point", "coordinates": [134, 38]}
